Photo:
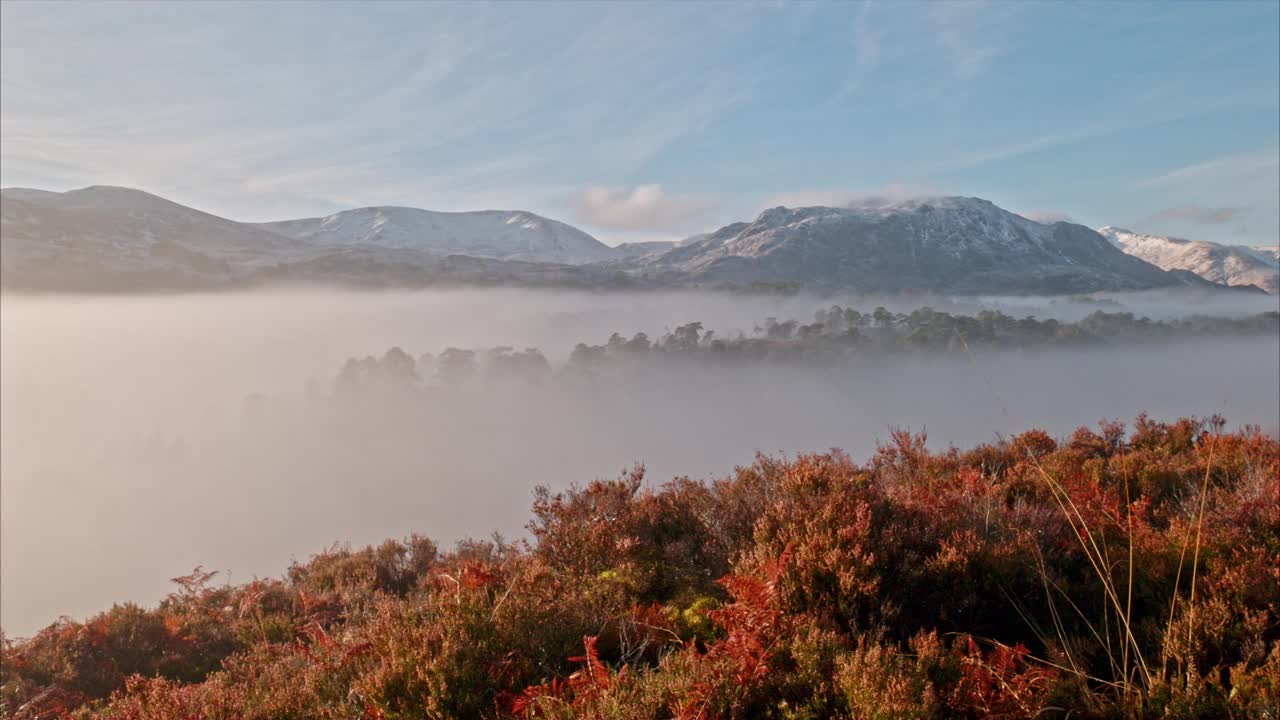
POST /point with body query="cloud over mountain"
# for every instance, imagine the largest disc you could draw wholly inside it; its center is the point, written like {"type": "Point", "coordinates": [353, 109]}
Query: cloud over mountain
{"type": "Point", "coordinates": [642, 207]}
{"type": "Point", "coordinates": [844, 197]}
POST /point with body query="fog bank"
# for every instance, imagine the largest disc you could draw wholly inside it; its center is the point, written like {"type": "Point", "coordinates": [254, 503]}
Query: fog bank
{"type": "Point", "coordinates": [131, 452]}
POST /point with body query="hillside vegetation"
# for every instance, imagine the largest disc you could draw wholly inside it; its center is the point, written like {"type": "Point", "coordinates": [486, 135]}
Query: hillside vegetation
{"type": "Point", "coordinates": [1117, 573]}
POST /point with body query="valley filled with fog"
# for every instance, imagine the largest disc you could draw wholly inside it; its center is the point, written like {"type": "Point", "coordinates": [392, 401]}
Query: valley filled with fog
{"type": "Point", "coordinates": [144, 436]}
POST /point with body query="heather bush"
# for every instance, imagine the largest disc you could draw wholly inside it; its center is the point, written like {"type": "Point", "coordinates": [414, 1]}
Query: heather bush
{"type": "Point", "coordinates": [1110, 574]}
{"type": "Point", "coordinates": [879, 682]}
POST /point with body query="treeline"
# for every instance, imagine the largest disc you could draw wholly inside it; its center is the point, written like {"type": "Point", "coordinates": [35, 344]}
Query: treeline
{"type": "Point", "coordinates": [1112, 574]}
{"type": "Point", "coordinates": [836, 334]}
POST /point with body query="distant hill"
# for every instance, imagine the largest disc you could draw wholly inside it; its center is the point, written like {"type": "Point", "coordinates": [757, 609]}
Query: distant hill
{"type": "Point", "coordinates": [116, 239]}
{"type": "Point", "coordinates": [122, 224]}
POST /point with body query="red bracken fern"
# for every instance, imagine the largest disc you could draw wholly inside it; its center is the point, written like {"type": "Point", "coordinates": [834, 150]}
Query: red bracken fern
{"type": "Point", "coordinates": [583, 685]}
{"type": "Point", "coordinates": [1001, 683]}
{"type": "Point", "coordinates": [753, 624]}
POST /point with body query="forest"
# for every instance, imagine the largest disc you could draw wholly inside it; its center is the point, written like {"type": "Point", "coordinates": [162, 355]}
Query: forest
{"type": "Point", "coordinates": [836, 335]}
{"type": "Point", "coordinates": [1117, 572]}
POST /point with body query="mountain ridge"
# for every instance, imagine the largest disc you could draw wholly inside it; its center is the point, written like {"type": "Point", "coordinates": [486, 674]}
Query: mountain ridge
{"type": "Point", "coordinates": [122, 238]}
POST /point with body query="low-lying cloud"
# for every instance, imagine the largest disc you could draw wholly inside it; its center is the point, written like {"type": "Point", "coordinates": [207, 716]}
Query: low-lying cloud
{"type": "Point", "coordinates": [843, 197]}
{"type": "Point", "coordinates": [643, 208]}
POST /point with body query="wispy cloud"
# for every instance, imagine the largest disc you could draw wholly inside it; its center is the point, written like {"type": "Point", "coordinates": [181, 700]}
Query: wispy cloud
{"type": "Point", "coordinates": [1241, 163]}
{"type": "Point", "coordinates": [971, 33]}
{"type": "Point", "coordinates": [1199, 215]}
{"type": "Point", "coordinates": [964, 39]}
{"type": "Point", "coordinates": [255, 123]}
{"type": "Point", "coordinates": [865, 48]}
{"type": "Point", "coordinates": [1018, 148]}
{"type": "Point", "coordinates": [1114, 122]}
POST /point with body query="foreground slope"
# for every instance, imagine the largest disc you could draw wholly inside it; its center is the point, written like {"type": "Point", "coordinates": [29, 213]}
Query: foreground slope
{"type": "Point", "coordinates": [1109, 574]}
{"type": "Point", "coordinates": [1233, 265]}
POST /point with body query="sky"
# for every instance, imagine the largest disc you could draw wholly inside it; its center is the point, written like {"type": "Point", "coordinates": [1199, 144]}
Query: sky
{"type": "Point", "coordinates": [639, 121]}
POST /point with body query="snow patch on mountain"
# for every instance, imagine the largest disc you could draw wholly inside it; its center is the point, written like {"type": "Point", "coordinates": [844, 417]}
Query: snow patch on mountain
{"type": "Point", "coordinates": [1233, 265]}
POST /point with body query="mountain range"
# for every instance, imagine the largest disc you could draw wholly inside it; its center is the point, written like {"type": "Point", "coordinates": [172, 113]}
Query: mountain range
{"type": "Point", "coordinates": [103, 238]}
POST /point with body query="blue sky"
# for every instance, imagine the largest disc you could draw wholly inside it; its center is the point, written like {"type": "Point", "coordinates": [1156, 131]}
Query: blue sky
{"type": "Point", "coordinates": [645, 121]}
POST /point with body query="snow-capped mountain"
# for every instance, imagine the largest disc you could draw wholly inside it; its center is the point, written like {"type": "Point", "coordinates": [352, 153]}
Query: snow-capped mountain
{"type": "Point", "coordinates": [501, 234]}
{"type": "Point", "coordinates": [954, 244]}
{"type": "Point", "coordinates": [1227, 264]}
